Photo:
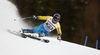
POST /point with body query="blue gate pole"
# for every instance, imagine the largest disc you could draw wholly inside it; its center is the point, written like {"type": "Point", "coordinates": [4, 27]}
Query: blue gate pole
{"type": "Point", "coordinates": [85, 40]}
{"type": "Point", "coordinates": [96, 44]}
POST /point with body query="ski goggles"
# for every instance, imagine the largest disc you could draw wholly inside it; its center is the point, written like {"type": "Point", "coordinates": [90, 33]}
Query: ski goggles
{"type": "Point", "coordinates": [56, 19]}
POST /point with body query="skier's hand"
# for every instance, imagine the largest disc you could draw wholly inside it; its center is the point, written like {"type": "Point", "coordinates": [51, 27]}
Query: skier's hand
{"type": "Point", "coordinates": [34, 17]}
{"type": "Point", "coordinates": [59, 38]}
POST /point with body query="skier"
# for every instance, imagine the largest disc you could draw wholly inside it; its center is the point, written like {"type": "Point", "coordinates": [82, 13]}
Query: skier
{"type": "Point", "coordinates": [45, 28]}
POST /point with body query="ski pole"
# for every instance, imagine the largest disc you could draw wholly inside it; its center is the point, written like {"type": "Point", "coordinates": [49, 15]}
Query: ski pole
{"type": "Point", "coordinates": [26, 18]}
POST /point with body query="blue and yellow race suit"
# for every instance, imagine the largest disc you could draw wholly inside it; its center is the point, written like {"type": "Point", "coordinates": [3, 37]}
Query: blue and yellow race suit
{"type": "Point", "coordinates": [46, 27]}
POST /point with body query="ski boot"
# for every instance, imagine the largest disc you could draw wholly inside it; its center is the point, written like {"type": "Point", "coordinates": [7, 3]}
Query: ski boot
{"type": "Point", "coordinates": [21, 33]}
{"type": "Point", "coordinates": [35, 35]}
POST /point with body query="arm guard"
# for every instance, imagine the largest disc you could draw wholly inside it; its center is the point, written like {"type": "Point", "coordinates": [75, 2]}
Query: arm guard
{"type": "Point", "coordinates": [43, 17]}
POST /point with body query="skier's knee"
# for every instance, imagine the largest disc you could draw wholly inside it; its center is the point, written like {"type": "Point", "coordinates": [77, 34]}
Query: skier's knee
{"type": "Point", "coordinates": [41, 34]}
{"type": "Point", "coordinates": [35, 29]}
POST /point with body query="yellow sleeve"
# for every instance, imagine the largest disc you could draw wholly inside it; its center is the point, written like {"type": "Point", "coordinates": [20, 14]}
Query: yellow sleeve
{"type": "Point", "coordinates": [59, 30]}
{"type": "Point", "coordinates": [43, 17]}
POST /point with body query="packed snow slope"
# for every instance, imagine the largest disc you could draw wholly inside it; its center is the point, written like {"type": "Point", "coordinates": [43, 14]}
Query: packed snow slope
{"type": "Point", "coordinates": [14, 45]}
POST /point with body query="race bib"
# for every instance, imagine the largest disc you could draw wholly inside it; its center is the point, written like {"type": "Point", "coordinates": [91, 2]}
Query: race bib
{"type": "Point", "coordinates": [49, 25]}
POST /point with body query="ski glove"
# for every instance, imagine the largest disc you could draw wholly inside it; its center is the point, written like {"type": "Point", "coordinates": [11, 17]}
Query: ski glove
{"type": "Point", "coordinates": [34, 17]}
{"type": "Point", "coordinates": [59, 37]}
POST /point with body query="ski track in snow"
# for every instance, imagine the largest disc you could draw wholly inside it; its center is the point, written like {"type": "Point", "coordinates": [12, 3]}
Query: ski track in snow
{"type": "Point", "coordinates": [14, 45]}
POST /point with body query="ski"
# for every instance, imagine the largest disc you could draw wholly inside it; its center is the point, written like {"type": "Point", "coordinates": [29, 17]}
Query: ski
{"type": "Point", "coordinates": [40, 39]}
{"type": "Point", "coordinates": [25, 36]}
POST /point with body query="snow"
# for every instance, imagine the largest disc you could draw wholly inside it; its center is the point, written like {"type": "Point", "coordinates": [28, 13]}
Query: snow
{"type": "Point", "coordinates": [14, 45]}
